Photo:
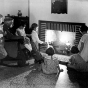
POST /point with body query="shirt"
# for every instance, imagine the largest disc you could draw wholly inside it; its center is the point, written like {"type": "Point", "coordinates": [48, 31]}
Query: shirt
{"type": "Point", "coordinates": [21, 32]}
{"type": "Point", "coordinates": [35, 37]}
{"type": "Point", "coordinates": [84, 52]}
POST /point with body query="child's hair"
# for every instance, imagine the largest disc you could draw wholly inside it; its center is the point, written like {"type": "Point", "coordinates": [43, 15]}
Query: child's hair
{"type": "Point", "coordinates": [50, 51]}
{"type": "Point", "coordinates": [84, 28]}
{"type": "Point", "coordinates": [34, 25]}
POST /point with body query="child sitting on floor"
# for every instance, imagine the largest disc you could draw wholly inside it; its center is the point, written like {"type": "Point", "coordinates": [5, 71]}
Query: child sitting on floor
{"type": "Point", "coordinates": [51, 63]}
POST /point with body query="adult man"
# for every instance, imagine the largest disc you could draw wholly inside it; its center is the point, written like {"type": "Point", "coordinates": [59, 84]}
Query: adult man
{"type": "Point", "coordinates": [79, 61]}
{"type": "Point", "coordinates": [13, 46]}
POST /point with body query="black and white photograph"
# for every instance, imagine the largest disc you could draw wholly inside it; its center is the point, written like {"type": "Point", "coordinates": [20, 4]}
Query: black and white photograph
{"type": "Point", "coordinates": [43, 43]}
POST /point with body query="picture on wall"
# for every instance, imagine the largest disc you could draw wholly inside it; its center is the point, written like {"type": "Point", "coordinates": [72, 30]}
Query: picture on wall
{"type": "Point", "coordinates": [59, 6]}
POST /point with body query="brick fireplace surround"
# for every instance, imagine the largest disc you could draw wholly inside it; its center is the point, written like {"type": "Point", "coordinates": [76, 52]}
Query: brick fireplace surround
{"type": "Point", "coordinates": [61, 26]}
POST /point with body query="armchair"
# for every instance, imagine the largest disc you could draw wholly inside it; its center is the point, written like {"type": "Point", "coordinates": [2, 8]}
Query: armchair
{"type": "Point", "coordinates": [15, 51]}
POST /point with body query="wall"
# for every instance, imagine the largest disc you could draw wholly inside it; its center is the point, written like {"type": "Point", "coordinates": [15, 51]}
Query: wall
{"type": "Point", "coordinates": [12, 7]}
{"type": "Point", "coordinates": [41, 10]}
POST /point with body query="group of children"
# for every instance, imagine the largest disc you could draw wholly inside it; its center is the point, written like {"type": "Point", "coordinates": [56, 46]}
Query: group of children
{"type": "Point", "coordinates": [50, 63]}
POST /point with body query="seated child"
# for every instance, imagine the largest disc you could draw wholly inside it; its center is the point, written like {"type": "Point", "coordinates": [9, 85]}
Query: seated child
{"type": "Point", "coordinates": [21, 32]}
{"type": "Point", "coordinates": [51, 63]}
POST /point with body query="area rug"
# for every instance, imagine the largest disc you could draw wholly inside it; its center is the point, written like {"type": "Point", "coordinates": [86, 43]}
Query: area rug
{"type": "Point", "coordinates": [30, 79]}
{"type": "Point", "coordinates": [63, 58]}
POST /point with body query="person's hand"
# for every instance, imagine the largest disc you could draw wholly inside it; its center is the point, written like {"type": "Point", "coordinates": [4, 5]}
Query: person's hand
{"type": "Point", "coordinates": [51, 44]}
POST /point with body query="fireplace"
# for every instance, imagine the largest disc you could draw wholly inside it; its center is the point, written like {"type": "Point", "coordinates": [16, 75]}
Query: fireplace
{"type": "Point", "coordinates": [62, 35]}
{"type": "Point", "coordinates": [62, 41]}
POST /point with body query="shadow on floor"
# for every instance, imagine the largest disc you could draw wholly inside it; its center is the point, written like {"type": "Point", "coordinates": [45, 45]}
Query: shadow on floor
{"type": "Point", "coordinates": [39, 78]}
{"type": "Point", "coordinates": [8, 72]}
{"type": "Point", "coordinates": [78, 77]}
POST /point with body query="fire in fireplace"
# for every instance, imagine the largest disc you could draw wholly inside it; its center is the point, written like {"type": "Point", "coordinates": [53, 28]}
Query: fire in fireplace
{"type": "Point", "coordinates": [62, 40]}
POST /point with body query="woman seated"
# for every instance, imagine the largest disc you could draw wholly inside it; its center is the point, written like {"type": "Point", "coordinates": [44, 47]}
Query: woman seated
{"type": "Point", "coordinates": [79, 61]}
{"type": "Point", "coordinates": [21, 32]}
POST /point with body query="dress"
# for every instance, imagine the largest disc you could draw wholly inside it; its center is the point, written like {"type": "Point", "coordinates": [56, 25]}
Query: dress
{"type": "Point", "coordinates": [50, 64]}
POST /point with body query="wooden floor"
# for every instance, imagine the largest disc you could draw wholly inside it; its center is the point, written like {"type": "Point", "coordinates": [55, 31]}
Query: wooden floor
{"type": "Point", "coordinates": [30, 77]}
{"type": "Point", "coordinates": [72, 79]}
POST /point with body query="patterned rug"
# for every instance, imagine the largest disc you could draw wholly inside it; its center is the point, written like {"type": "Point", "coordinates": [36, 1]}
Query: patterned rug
{"type": "Point", "coordinates": [28, 77]}
{"type": "Point", "coordinates": [31, 78]}
{"type": "Point", "coordinates": [63, 58]}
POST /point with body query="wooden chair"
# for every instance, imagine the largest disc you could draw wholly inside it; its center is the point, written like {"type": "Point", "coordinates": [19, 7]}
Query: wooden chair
{"type": "Point", "coordinates": [15, 52]}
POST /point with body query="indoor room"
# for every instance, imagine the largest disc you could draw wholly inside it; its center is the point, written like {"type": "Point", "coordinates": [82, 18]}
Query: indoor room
{"type": "Point", "coordinates": [43, 44]}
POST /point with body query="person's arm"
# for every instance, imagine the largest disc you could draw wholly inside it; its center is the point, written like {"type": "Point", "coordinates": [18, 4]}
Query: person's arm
{"type": "Point", "coordinates": [81, 48]}
{"type": "Point", "coordinates": [37, 39]}
{"type": "Point", "coordinates": [81, 44]}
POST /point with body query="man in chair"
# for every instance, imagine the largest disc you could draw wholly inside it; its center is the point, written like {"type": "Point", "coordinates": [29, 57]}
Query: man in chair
{"type": "Point", "coordinates": [11, 43]}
